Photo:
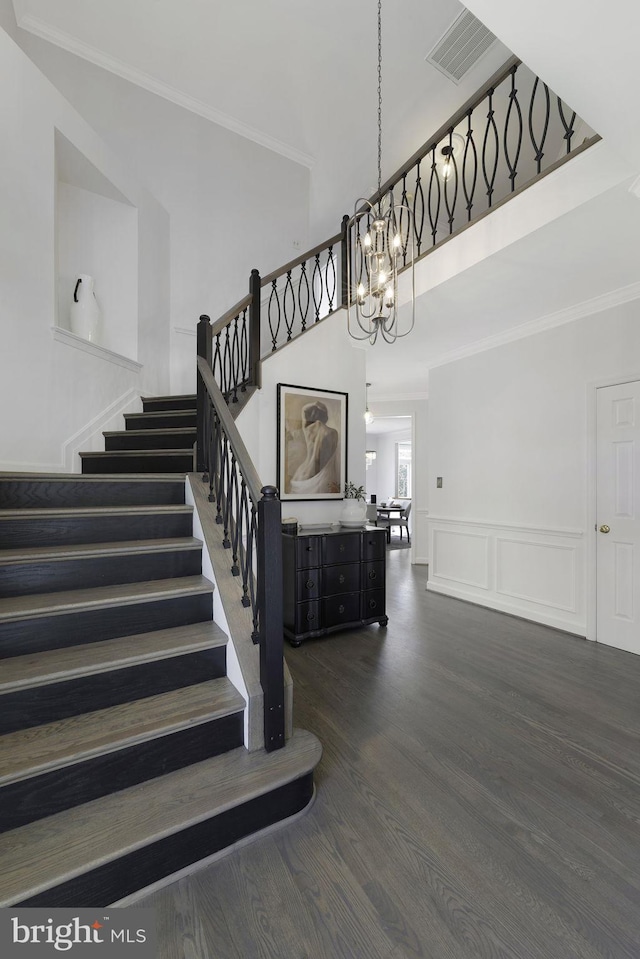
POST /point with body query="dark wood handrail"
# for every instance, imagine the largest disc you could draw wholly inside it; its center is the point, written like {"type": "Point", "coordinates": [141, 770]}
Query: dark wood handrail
{"type": "Point", "coordinates": [231, 314]}
{"type": "Point", "coordinates": [301, 259]}
{"type": "Point", "coordinates": [245, 463]}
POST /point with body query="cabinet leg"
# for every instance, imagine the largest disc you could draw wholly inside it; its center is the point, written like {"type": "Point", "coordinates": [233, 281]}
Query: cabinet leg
{"type": "Point", "coordinates": [384, 620]}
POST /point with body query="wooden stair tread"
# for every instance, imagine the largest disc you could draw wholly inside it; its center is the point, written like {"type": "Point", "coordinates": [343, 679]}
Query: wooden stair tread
{"type": "Point", "coordinates": [39, 749]}
{"type": "Point", "coordinates": [43, 854]}
{"type": "Point", "coordinates": [92, 511]}
{"type": "Point", "coordinates": [71, 662]}
{"type": "Point", "coordinates": [169, 430]}
{"type": "Point", "coordinates": [90, 478]}
{"type": "Point", "coordinates": [86, 550]}
{"type": "Point", "coordinates": [173, 396]}
{"type": "Point", "coordinates": [15, 608]}
{"type": "Point", "coordinates": [161, 452]}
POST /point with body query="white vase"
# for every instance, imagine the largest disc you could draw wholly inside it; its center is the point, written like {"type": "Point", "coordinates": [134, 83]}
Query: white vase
{"type": "Point", "coordinates": [85, 313]}
{"type": "Point", "coordinates": [354, 511]}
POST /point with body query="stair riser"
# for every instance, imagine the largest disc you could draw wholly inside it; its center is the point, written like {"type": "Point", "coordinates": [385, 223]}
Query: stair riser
{"type": "Point", "coordinates": [27, 636]}
{"type": "Point", "coordinates": [154, 441]}
{"type": "Point", "coordinates": [144, 463]}
{"type": "Point", "coordinates": [58, 494]}
{"type": "Point", "coordinates": [122, 877]}
{"type": "Point", "coordinates": [164, 403]}
{"type": "Point", "coordinates": [155, 421]}
{"type": "Point", "coordinates": [48, 703]}
{"type": "Point", "coordinates": [69, 530]}
{"type": "Point", "coordinates": [27, 579]}
{"type": "Point", "coordinates": [31, 799]}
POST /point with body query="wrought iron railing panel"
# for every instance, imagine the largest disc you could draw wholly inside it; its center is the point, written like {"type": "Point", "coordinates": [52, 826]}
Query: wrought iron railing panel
{"type": "Point", "coordinates": [249, 515]}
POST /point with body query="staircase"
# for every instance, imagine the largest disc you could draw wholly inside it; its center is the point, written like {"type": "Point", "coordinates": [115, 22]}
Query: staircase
{"type": "Point", "coordinates": [121, 738]}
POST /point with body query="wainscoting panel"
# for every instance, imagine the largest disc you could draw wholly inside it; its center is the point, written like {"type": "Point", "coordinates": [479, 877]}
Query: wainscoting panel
{"type": "Point", "coordinates": [542, 573]}
{"type": "Point", "coordinates": [534, 572]}
{"type": "Point", "coordinates": [461, 557]}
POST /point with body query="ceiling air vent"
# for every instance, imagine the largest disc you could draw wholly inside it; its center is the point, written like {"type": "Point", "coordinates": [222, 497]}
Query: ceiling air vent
{"type": "Point", "coordinates": [462, 45]}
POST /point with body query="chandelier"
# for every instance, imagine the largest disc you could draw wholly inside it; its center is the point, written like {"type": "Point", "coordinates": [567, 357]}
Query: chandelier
{"type": "Point", "coordinates": [381, 245]}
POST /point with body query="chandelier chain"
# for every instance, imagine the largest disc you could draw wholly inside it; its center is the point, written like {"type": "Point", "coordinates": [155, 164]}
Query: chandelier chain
{"type": "Point", "coordinates": [379, 99]}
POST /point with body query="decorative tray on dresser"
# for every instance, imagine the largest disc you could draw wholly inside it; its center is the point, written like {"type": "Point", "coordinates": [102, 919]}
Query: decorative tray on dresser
{"type": "Point", "coordinates": [334, 578]}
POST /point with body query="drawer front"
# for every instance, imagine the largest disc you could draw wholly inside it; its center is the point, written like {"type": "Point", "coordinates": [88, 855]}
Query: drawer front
{"type": "Point", "coordinates": [373, 575]}
{"type": "Point", "coordinates": [373, 544]}
{"type": "Point", "coordinates": [372, 603]}
{"type": "Point", "coordinates": [342, 548]}
{"type": "Point", "coordinates": [307, 617]}
{"type": "Point", "coordinates": [341, 579]}
{"type": "Point", "coordinates": [341, 609]}
{"type": "Point", "coordinates": [309, 584]}
{"type": "Point", "coordinates": [308, 551]}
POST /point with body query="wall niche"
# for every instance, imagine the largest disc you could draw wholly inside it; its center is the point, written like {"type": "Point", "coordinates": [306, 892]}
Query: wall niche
{"type": "Point", "coordinates": [96, 235]}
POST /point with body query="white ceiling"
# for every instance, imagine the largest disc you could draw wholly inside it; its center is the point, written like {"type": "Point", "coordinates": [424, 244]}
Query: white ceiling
{"type": "Point", "coordinates": [300, 77]}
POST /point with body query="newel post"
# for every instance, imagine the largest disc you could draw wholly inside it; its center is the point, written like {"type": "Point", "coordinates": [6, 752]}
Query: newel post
{"type": "Point", "coordinates": [255, 288]}
{"type": "Point", "coordinates": [270, 606]}
{"type": "Point", "coordinates": [344, 260]}
{"type": "Point", "coordinates": [204, 350]}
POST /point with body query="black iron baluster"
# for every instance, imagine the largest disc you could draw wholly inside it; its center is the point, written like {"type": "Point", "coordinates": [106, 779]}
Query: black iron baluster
{"type": "Point", "coordinates": [539, 147]}
{"type": "Point", "coordinates": [235, 361]}
{"type": "Point", "coordinates": [274, 297]}
{"type": "Point", "coordinates": [418, 203]}
{"type": "Point", "coordinates": [404, 220]}
{"type": "Point", "coordinates": [304, 310]}
{"type": "Point", "coordinates": [513, 103]}
{"type": "Point", "coordinates": [469, 149]}
{"type": "Point", "coordinates": [289, 299]}
{"type": "Point", "coordinates": [452, 177]}
{"type": "Point", "coordinates": [434, 206]}
{"type": "Point", "coordinates": [330, 274]}
{"type": "Point", "coordinates": [234, 498]}
{"type": "Point", "coordinates": [216, 364]}
{"type": "Point", "coordinates": [568, 127]}
{"type": "Point", "coordinates": [490, 177]}
{"type": "Point", "coordinates": [317, 284]}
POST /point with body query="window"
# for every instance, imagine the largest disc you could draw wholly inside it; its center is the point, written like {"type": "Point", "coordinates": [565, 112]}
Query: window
{"type": "Point", "coordinates": [403, 470]}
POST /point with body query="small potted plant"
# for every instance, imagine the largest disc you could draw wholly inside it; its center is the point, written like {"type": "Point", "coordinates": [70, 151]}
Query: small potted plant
{"type": "Point", "coordinates": [354, 511]}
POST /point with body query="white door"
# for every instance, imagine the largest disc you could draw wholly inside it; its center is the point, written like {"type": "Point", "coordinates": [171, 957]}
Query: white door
{"type": "Point", "coordinates": [618, 516]}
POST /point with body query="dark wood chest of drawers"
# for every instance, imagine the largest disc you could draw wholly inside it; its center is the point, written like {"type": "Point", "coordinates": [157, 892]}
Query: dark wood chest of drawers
{"type": "Point", "coordinates": [333, 579]}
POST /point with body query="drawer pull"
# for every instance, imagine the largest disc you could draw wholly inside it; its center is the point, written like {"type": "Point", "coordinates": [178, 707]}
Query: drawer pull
{"type": "Point", "coordinates": [308, 548]}
{"type": "Point", "coordinates": [311, 616]}
{"type": "Point", "coordinates": [341, 609]}
{"type": "Point", "coordinates": [341, 578]}
{"type": "Point", "coordinates": [342, 547]}
{"type": "Point", "coordinates": [372, 574]}
{"type": "Point", "coordinates": [372, 604]}
{"type": "Point", "coordinates": [309, 584]}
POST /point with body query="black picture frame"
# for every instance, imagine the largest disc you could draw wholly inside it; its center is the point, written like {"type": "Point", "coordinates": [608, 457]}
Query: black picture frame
{"type": "Point", "coordinates": [312, 442]}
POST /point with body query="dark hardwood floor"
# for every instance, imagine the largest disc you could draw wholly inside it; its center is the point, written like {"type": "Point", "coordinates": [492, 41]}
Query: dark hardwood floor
{"type": "Point", "coordinates": [478, 798]}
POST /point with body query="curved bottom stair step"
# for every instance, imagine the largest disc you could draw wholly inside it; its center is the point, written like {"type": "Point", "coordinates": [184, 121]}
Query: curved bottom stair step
{"type": "Point", "coordinates": [105, 850]}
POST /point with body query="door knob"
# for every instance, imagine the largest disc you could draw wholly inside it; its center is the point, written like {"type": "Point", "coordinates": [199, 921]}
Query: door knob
{"type": "Point", "coordinates": [605, 529]}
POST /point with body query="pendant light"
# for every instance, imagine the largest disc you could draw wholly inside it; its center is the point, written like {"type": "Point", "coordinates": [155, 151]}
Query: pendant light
{"type": "Point", "coordinates": [381, 244]}
{"type": "Point", "coordinates": [368, 415]}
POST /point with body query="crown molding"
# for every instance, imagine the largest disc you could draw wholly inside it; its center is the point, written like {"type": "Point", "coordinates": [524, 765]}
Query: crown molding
{"type": "Point", "coordinates": [605, 301]}
{"type": "Point", "coordinates": [85, 51]}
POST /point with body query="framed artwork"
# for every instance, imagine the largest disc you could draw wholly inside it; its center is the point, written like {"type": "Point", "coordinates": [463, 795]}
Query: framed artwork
{"type": "Point", "coordinates": [312, 443]}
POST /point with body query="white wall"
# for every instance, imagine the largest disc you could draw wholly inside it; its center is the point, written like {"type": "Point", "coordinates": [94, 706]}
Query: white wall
{"type": "Point", "coordinates": [509, 432]}
{"type": "Point", "coordinates": [323, 358]}
{"type": "Point", "coordinates": [233, 205]}
{"type": "Point", "coordinates": [50, 390]}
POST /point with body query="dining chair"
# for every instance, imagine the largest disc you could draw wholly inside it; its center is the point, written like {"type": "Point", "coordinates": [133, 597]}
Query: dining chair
{"type": "Point", "coordinates": [402, 521]}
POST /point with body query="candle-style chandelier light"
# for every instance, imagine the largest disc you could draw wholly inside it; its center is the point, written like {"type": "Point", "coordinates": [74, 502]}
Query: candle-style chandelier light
{"type": "Point", "coordinates": [381, 244]}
